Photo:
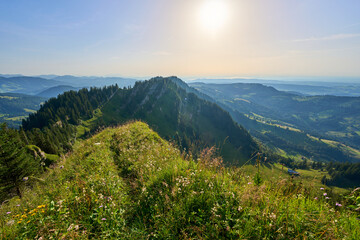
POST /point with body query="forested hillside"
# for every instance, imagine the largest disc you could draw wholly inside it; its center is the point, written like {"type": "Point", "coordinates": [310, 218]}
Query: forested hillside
{"type": "Point", "coordinates": [52, 127]}
{"type": "Point", "coordinates": [181, 117]}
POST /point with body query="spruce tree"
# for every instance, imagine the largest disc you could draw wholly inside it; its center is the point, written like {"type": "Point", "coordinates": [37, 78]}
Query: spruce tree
{"type": "Point", "coordinates": [16, 164]}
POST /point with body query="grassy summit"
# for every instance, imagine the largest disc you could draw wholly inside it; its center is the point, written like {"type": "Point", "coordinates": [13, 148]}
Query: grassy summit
{"type": "Point", "coordinates": [128, 183]}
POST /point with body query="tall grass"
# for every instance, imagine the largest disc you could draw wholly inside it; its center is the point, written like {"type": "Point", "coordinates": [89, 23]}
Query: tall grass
{"type": "Point", "coordinates": [128, 183]}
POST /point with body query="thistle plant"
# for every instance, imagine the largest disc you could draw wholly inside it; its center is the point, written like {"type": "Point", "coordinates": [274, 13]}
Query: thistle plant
{"type": "Point", "coordinates": [257, 179]}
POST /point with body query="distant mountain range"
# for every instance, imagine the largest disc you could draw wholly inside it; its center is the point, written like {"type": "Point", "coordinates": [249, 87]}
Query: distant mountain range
{"type": "Point", "coordinates": [341, 87]}
{"type": "Point", "coordinates": [36, 85]}
{"type": "Point", "coordinates": [26, 85]}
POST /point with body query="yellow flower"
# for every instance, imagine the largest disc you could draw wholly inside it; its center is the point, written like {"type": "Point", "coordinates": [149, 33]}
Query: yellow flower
{"type": "Point", "coordinates": [28, 221]}
{"type": "Point", "coordinates": [42, 211]}
{"type": "Point", "coordinates": [19, 222]}
{"type": "Point", "coordinates": [33, 214]}
{"type": "Point", "coordinates": [25, 209]}
{"type": "Point", "coordinates": [39, 206]}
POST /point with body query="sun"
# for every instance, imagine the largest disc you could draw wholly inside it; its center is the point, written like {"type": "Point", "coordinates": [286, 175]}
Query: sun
{"type": "Point", "coordinates": [213, 14]}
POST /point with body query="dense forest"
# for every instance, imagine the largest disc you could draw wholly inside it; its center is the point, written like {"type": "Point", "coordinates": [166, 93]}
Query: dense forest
{"type": "Point", "coordinates": [52, 127]}
{"type": "Point", "coordinates": [343, 174]}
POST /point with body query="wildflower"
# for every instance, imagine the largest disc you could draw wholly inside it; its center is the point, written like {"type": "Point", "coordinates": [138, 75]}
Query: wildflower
{"type": "Point", "coordinates": [18, 205]}
{"type": "Point", "coordinates": [19, 222]}
{"type": "Point", "coordinates": [25, 178]}
{"type": "Point", "coordinates": [316, 198]}
{"type": "Point", "coordinates": [249, 183]}
{"type": "Point", "coordinates": [325, 194]}
{"type": "Point", "coordinates": [11, 222]}
{"type": "Point", "coordinates": [28, 221]}
{"type": "Point", "coordinates": [338, 204]}
{"type": "Point", "coordinates": [8, 212]}
{"type": "Point", "coordinates": [322, 188]}
{"type": "Point", "coordinates": [70, 227]}
{"type": "Point", "coordinates": [62, 166]}
{"type": "Point", "coordinates": [327, 198]}
{"type": "Point", "coordinates": [100, 206]}
{"type": "Point", "coordinates": [103, 219]}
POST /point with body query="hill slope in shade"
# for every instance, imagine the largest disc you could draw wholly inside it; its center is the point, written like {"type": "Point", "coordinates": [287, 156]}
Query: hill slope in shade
{"type": "Point", "coordinates": [55, 91]}
{"type": "Point", "coordinates": [180, 116]}
{"type": "Point", "coordinates": [128, 183]}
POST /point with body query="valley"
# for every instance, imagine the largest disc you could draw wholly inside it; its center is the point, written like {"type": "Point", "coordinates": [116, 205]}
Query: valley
{"type": "Point", "coordinates": [285, 120]}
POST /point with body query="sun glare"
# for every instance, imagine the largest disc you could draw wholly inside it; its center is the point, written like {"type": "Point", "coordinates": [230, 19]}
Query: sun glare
{"type": "Point", "coordinates": [213, 15]}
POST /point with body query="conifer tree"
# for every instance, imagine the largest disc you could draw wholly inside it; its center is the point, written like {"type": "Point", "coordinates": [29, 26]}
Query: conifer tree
{"type": "Point", "coordinates": [16, 164]}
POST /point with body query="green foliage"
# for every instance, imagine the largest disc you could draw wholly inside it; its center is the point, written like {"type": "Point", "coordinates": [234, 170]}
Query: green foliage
{"type": "Point", "coordinates": [343, 174]}
{"type": "Point", "coordinates": [128, 183]}
{"type": "Point", "coordinates": [353, 200]}
{"type": "Point", "coordinates": [16, 165]}
{"type": "Point", "coordinates": [257, 179]}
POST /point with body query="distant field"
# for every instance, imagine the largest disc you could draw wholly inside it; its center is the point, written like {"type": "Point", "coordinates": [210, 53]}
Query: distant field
{"type": "Point", "coordinates": [8, 97]}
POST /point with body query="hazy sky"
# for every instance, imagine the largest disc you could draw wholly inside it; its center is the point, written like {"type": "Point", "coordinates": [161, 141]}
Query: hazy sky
{"type": "Point", "coordinates": [181, 37]}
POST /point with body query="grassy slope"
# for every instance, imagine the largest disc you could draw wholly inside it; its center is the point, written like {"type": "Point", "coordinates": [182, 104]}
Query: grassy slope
{"type": "Point", "coordinates": [128, 183]}
{"type": "Point", "coordinates": [310, 178]}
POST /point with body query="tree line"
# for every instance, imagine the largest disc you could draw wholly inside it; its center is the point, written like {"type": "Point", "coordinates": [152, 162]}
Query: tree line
{"type": "Point", "coordinates": [52, 128]}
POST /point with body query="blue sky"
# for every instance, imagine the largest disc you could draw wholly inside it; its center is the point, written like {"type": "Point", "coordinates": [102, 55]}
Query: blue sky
{"type": "Point", "coordinates": [263, 38]}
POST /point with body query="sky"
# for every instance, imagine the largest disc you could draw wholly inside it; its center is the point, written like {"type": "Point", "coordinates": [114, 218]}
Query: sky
{"type": "Point", "coordinates": [186, 38]}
